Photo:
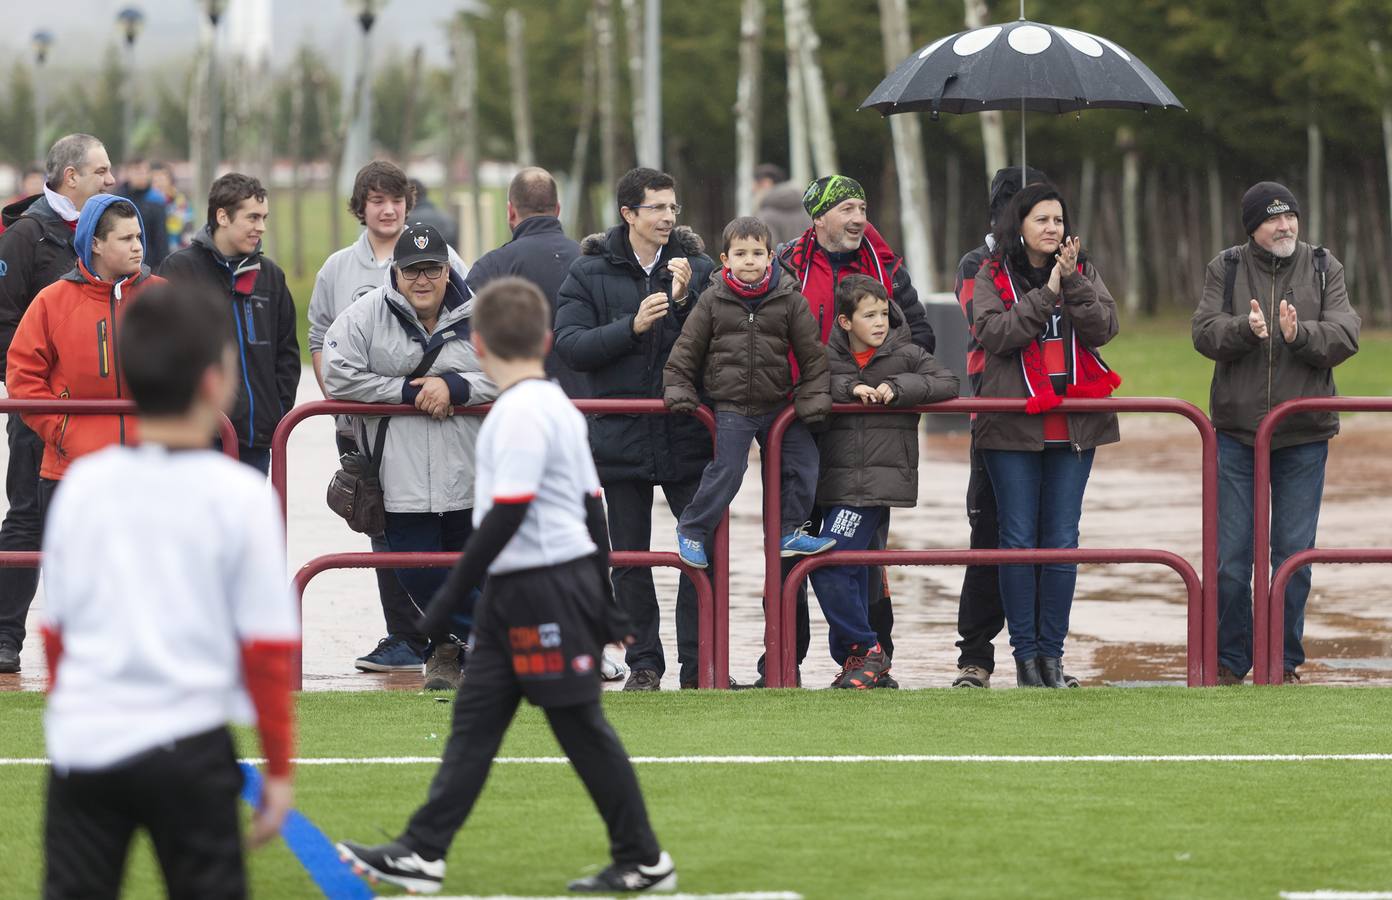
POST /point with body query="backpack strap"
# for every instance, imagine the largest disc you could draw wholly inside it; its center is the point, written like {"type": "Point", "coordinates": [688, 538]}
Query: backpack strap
{"type": "Point", "coordinates": [1231, 256]}
{"type": "Point", "coordinates": [1321, 259]}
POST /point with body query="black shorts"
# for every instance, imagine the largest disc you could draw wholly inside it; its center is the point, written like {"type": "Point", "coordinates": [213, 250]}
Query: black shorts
{"type": "Point", "coordinates": [544, 631]}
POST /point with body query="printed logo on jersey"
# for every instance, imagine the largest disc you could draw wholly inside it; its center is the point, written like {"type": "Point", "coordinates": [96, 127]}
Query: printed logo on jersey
{"type": "Point", "coordinates": [1056, 364]}
{"type": "Point", "coordinates": [846, 523]}
{"type": "Point", "coordinates": [583, 664]}
{"type": "Point", "coordinates": [549, 635]}
{"type": "Point", "coordinates": [4, 268]}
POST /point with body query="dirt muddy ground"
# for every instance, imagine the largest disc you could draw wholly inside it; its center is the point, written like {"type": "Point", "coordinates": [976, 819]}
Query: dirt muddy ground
{"type": "Point", "coordinates": [1128, 622]}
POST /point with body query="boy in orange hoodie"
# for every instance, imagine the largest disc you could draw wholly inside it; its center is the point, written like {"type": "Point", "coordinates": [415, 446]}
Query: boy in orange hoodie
{"type": "Point", "coordinates": [65, 346]}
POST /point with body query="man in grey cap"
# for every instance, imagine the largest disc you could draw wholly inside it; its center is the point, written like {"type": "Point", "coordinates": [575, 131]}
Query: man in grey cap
{"type": "Point", "coordinates": [1275, 319]}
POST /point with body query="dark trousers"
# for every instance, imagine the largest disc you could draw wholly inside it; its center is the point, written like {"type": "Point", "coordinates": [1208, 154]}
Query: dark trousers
{"type": "Point", "coordinates": [22, 529]}
{"type": "Point", "coordinates": [259, 458]}
{"type": "Point", "coordinates": [980, 616]}
{"type": "Point", "coordinates": [844, 591]}
{"type": "Point", "coordinates": [724, 474]}
{"type": "Point", "coordinates": [1040, 502]}
{"type": "Point", "coordinates": [629, 507]}
{"type": "Point", "coordinates": [400, 615]}
{"type": "Point", "coordinates": [482, 714]}
{"type": "Point", "coordinates": [429, 532]}
{"type": "Point", "coordinates": [184, 795]}
{"type": "Point", "coordinates": [1297, 488]}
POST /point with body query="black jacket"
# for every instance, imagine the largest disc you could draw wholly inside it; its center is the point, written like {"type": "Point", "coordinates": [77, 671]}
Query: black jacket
{"type": "Point", "coordinates": [594, 334]}
{"type": "Point", "coordinates": [152, 215]}
{"type": "Point", "coordinates": [36, 250]}
{"type": "Point", "coordinates": [540, 252]}
{"type": "Point", "coordinates": [264, 314]}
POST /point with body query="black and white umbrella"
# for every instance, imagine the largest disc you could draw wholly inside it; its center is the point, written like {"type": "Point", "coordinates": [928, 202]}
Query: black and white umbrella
{"type": "Point", "coordinates": [1020, 65]}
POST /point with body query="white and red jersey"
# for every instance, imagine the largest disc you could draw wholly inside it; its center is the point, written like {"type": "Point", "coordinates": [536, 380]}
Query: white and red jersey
{"type": "Point", "coordinates": [166, 603]}
{"type": "Point", "coordinates": [534, 448]}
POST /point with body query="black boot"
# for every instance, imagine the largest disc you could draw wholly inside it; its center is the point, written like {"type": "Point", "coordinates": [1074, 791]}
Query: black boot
{"type": "Point", "coordinates": [1051, 672]}
{"type": "Point", "coordinates": [1027, 673]}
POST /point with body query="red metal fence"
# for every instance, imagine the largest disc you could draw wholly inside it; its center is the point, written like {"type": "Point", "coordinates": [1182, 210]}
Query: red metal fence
{"type": "Point", "coordinates": [781, 644]}
{"type": "Point", "coordinates": [1269, 591]}
{"type": "Point", "coordinates": [714, 611]}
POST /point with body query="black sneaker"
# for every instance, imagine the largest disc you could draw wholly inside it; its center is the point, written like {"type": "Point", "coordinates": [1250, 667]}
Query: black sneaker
{"type": "Point", "coordinates": [630, 878]}
{"type": "Point", "coordinates": [394, 863]}
{"type": "Point", "coordinates": [887, 681]}
{"type": "Point", "coordinates": [9, 656]}
{"type": "Point", "coordinates": [392, 654]}
{"type": "Point", "coordinates": [643, 680]}
{"type": "Point", "coordinates": [863, 670]}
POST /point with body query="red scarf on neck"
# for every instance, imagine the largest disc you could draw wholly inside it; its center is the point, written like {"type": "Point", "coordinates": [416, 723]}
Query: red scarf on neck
{"type": "Point", "coordinates": [748, 291]}
{"type": "Point", "coordinates": [817, 282]}
{"type": "Point", "coordinates": [1088, 375]}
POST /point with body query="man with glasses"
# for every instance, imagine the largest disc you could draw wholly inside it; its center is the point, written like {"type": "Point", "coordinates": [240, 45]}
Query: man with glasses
{"type": "Point", "coordinates": [619, 312]}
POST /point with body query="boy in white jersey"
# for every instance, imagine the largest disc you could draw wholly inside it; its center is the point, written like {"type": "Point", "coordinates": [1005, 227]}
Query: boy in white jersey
{"type": "Point", "coordinates": [546, 613]}
{"type": "Point", "coordinates": [165, 605]}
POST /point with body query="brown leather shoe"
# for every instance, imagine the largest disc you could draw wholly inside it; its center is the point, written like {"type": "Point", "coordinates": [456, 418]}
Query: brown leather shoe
{"type": "Point", "coordinates": [643, 680]}
{"type": "Point", "coordinates": [1226, 678]}
{"type": "Point", "coordinates": [444, 670]}
{"type": "Point", "coordinates": [1290, 677]}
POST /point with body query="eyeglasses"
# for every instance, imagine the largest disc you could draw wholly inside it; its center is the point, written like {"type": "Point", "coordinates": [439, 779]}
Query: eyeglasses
{"type": "Point", "coordinates": [432, 271]}
{"type": "Point", "coordinates": [660, 208]}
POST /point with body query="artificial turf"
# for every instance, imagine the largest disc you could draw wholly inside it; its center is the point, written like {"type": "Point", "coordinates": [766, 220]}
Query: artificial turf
{"type": "Point", "coordinates": [831, 830]}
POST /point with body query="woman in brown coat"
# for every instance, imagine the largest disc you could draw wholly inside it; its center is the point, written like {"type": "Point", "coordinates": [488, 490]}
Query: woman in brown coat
{"type": "Point", "coordinates": [1041, 312]}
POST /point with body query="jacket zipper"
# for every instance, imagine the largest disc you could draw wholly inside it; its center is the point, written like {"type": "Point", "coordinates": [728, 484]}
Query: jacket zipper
{"type": "Point", "coordinates": [749, 382]}
{"type": "Point", "coordinates": [1272, 320]}
{"type": "Point", "coordinates": [63, 429]}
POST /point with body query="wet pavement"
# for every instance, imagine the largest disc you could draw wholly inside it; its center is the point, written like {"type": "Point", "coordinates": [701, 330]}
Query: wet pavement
{"type": "Point", "coordinates": [1128, 621]}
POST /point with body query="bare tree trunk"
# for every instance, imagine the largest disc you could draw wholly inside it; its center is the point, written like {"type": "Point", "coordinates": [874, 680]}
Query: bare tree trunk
{"type": "Point", "coordinates": [521, 100]}
{"type": "Point", "coordinates": [297, 104]}
{"type": "Point", "coordinates": [1087, 197]}
{"type": "Point", "coordinates": [914, 210]}
{"type": "Point", "coordinates": [799, 147]}
{"type": "Point", "coordinates": [1216, 242]}
{"type": "Point", "coordinates": [1380, 67]}
{"type": "Point", "coordinates": [608, 132]}
{"type": "Point", "coordinates": [952, 227]}
{"type": "Point", "coordinates": [409, 114]}
{"type": "Point", "coordinates": [335, 153]}
{"type": "Point", "coordinates": [575, 187]}
{"type": "Point", "coordinates": [633, 31]}
{"type": "Point", "coordinates": [814, 88]}
{"type": "Point", "coordinates": [199, 114]}
{"type": "Point", "coordinates": [468, 53]}
{"type": "Point", "coordinates": [992, 122]}
{"type": "Point", "coordinates": [1313, 228]}
{"type": "Point", "coordinates": [747, 105]}
{"type": "Point", "coordinates": [1379, 232]}
{"type": "Point", "coordinates": [1161, 282]}
{"type": "Point", "coordinates": [1131, 219]}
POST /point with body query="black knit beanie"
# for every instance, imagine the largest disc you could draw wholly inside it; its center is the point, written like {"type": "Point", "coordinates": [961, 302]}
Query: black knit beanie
{"type": "Point", "coordinates": [1264, 200]}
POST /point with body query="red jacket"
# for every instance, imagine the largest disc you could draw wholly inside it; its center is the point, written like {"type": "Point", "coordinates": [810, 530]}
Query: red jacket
{"type": "Point", "coordinates": [65, 348]}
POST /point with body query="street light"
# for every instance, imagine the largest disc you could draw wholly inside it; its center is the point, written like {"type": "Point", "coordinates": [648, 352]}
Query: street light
{"type": "Point", "coordinates": [213, 9]}
{"type": "Point", "coordinates": [357, 143]}
{"type": "Point", "coordinates": [41, 41]}
{"type": "Point", "coordinates": [129, 22]}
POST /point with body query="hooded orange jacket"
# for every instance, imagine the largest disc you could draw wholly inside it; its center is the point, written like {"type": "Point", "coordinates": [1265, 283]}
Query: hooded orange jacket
{"type": "Point", "coordinates": [65, 348]}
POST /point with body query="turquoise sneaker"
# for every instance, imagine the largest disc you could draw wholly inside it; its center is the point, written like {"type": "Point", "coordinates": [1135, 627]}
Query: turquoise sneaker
{"type": "Point", "coordinates": [693, 553]}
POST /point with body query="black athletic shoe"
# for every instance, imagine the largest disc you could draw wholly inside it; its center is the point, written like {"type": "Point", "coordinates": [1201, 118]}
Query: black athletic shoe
{"type": "Point", "coordinates": [630, 878]}
{"type": "Point", "coordinates": [887, 681]}
{"type": "Point", "coordinates": [9, 656]}
{"type": "Point", "coordinates": [394, 863]}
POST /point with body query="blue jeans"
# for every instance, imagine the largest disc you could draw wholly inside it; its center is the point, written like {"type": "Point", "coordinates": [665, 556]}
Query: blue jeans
{"type": "Point", "coordinates": [431, 532]}
{"type": "Point", "coordinates": [1039, 500]}
{"type": "Point", "coordinates": [1297, 486]}
{"type": "Point", "coordinates": [844, 591]}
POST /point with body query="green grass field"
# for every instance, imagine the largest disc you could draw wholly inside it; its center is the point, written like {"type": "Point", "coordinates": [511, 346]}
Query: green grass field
{"type": "Point", "coordinates": [881, 829]}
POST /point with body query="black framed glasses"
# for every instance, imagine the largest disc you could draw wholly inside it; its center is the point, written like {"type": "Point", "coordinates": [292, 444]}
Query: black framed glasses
{"type": "Point", "coordinates": [431, 271]}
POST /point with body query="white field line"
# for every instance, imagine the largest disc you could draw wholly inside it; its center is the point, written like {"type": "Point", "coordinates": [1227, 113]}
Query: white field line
{"type": "Point", "coordinates": [1336, 895]}
{"type": "Point", "coordinates": [742, 895]}
{"type": "Point", "coordinates": [784, 760]}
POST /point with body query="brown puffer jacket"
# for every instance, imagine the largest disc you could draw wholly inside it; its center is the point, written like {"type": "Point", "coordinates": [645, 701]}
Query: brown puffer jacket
{"type": "Point", "coordinates": [1252, 374]}
{"type": "Point", "coordinates": [1087, 310]}
{"type": "Point", "coordinates": [872, 460]}
{"type": "Point", "coordinates": [740, 351]}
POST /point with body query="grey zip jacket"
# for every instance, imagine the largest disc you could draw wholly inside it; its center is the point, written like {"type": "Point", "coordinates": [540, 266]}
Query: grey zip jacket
{"type": "Point", "coordinates": [1250, 374]}
{"type": "Point", "coordinates": [369, 350]}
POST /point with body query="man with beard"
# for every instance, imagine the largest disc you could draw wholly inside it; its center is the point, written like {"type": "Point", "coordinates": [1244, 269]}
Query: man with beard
{"type": "Point", "coordinates": [1275, 319]}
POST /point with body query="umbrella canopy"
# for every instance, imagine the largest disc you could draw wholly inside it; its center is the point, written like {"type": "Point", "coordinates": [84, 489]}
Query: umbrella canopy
{"type": "Point", "coordinates": [1021, 65]}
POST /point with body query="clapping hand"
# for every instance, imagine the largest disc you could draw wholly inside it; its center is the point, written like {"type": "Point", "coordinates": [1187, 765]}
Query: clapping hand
{"type": "Point", "coordinates": [1289, 326]}
{"type": "Point", "coordinates": [681, 276]}
{"type": "Point", "coordinates": [1066, 260]}
{"type": "Point", "coordinates": [653, 307]}
{"type": "Point", "coordinates": [1257, 322]}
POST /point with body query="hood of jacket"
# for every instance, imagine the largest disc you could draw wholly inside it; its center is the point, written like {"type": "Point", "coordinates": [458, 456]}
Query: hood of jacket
{"type": "Point", "coordinates": [12, 211]}
{"type": "Point", "coordinates": [614, 244]}
{"type": "Point", "coordinates": [87, 220]}
{"type": "Point", "coordinates": [204, 239]}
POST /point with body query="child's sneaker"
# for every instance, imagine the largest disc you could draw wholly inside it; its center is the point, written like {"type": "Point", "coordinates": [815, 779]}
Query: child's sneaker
{"type": "Point", "coordinates": [693, 553]}
{"type": "Point", "coordinates": [800, 543]}
{"type": "Point", "coordinates": [861, 673]}
{"type": "Point", "coordinates": [394, 863]}
{"type": "Point", "coordinates": [630, 878]}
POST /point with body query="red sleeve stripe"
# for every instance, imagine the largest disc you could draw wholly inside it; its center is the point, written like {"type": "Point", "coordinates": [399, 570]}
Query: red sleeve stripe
{"type": "Point", "coordinates": [53, 651]}
{"type": "Point", "coordinates": [266, 669]}
{"type": "Point", "coordinates": [515, 499]}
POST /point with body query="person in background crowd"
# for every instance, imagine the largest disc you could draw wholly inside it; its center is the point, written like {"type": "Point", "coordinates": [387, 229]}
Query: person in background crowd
{"type": "Point", "coordinates": [539, 252]}
{"type": "Point", "coordinates": [427, 213]}
{"type": "Point", "coordinates": [1040, 313]}
{"type": "Point", "coordinates": [35, 251]}
{"type": "Point", "coordinates": [226, 257]}
{"type": "Point", "coordinates": [31, 183]}
{"type": "Point", "coordinates": [1275, 318]}
{"type": "Point", "coordinates": [382, 201]}
{"type": "Point", "coordinates": [139, 188]}
{"type": "Point", "coordinates": [408, 342]}
{"type": "Point", "coordinates": [778, 202]}
{"type": "Point", "coordinates": [178, 217]}
{"type": "Point", "coordinates": [620, 310]}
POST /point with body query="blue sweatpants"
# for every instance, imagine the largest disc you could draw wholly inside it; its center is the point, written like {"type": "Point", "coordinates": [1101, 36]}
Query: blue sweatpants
{"type": "Point", "coordinates": [844, 591]}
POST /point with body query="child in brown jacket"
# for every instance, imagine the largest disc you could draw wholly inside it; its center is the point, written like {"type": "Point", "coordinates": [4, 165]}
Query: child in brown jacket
{"type": "Point", "coordinates": [736, 344]}
{"type": "Point", "coordinates": [869, 463]}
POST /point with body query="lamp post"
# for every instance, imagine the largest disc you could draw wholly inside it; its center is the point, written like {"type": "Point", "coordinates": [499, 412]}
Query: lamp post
{"type": "Point", "coordinates": [357, 144]}
{"type": "Point", "coordinates": [41, 42]}
{"type": "Point", "coordinates": [213, 9]}
{"type": "Point", "coordinates": [129, 22]}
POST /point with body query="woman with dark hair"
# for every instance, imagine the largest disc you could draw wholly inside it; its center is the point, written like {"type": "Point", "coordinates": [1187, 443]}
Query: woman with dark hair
{"type": "Point", "coordinates": [1041, 309]}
